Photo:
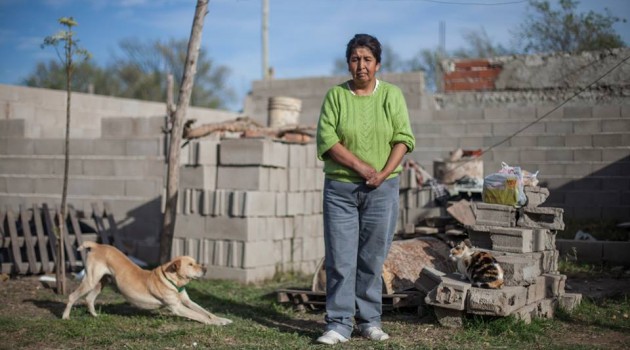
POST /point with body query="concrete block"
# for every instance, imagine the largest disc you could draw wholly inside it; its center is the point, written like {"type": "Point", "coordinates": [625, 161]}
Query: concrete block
{"type": "Point", "coordinates": [202, 177]}
{"type": "Point", "coordinates": [569, 301]}
{"type": "Point", "coordinates": [451, 293]}
{"type": "Point", "coordinates": [616, 253]}
{"type": "Point", "coordinates": [206, 152]}
{"type": "Point", "coordinates": [536, 291]}
{"type": "Point", "coordinates": [541, 217]}
{"type": "Point", "coordinates": [449, 318]}
{"type": "Point", "coordinates": [297, 156]}
{"type": "Point", "coordinates": [293, 179]}
{"type": "Point", "coordinates": [214, 203]}
{"type": "Point", "coordinates": [252, 203]}
{"type": "Point", "coordinates": [496, 302]}
{"type": "Point", "coordinates": [536, 195]}
{"type": "Point", "coordinates": [546, 308]}
{"type": "Point", "coordinates": [554, 284]}
{"type": "Point", "coordinates": [243, 178]}
{"type": "Point", "coordinates": [504, 239]}
{"type": "Point", "coordinates": [494, 214]}
{"type": "Point", "coordinates": [582, 251]}
{"type": "Point", "coordinates": [242, 275]}
{"type": "Point", "coordinates": [428, 279]}
{"type": "Point", "coordinates": [544, 239]}
{"type": "Point", "coordinates": [295, 203]}
{"type": "Point", "coordinates": [278, 179]}
{"type": "Point", "coordinates": [518, 269]}
{"type": "Point", "coordinates": [253, 151]}
{"type": "Point", "coordinates": [526, 313]}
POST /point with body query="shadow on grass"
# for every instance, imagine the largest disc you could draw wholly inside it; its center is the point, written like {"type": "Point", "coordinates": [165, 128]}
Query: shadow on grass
{"type": "Point", "coordinates": [265, 315]}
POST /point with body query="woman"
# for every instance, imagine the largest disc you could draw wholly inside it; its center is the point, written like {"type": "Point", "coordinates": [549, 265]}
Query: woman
{"type": "Point", "coordinates": [362, 135]}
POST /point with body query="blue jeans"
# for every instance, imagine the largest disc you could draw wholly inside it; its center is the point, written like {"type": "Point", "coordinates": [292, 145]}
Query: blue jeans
{"type": "Point", "coordinates": [359, 224]}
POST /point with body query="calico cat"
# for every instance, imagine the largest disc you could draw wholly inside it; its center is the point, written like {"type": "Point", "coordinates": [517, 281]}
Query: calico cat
{"type": "Point", "coordinates": [480, 268]}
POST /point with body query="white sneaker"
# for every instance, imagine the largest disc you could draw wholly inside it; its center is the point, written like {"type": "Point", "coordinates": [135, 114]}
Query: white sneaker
{"type": "Point", "coordinates": [375, 333]}
{"type": "Point", "coordinates": [331, 338]}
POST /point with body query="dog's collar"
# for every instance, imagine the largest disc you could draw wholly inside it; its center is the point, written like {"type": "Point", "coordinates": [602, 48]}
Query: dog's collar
{"type": "Point", "coordinates": [179, 289]}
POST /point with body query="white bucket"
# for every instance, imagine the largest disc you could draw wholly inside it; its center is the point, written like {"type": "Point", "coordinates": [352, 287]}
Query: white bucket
{"type": "Point", "coordinates": [283, 111]}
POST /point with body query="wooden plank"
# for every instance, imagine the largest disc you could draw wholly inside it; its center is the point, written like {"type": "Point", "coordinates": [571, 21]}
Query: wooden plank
{"type": "Point", "coordinates": [16, 255]}
{"type": "Point", "coordinates": [113, 227]}
{"type": "Point", "coordinates": [4, 242]}
{"type": "Point", "coordinates": [50, 229]}
{"type": "Point", "coordinates": [33, 265]}
{"type": "Point", "coordinates": [5, 268]}
{"type": "Point", "coordinates": [42, 240]}
{"type": "Point", "coordinates": [100, 227]}
{"type": "Point", "coordinates": [77, 232]}
{"type": "Point", "coordinates": [70, 251]}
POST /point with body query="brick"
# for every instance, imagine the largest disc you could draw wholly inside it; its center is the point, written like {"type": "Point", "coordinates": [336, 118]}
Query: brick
{"type": "Point", "coordinates": [503, 239]}
{"type": "Point", "coordinates": [535, 195]}
{"type": "Point", "coordinates": [251, 151]}
{"type": "Point", "coordinates": [496, 302]}
{"type": "Point", "coordinates": [541, 217]}
{"type": "Point", "coordinates": [494, 214]}
{"type": "Point", "coordinates": [429, 279]}
{"type": "Point", "coordinates": [450, 293]}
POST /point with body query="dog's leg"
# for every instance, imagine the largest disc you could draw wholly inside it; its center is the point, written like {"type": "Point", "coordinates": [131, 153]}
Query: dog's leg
{"type": "Point", "coordinates": [183, 311]}
{"type": "Point", "coordinates": [91, 297]}
{"type": "Point", "coordinates": [90, 281]}
{"type": "Point", "coordinates": [198, 308]}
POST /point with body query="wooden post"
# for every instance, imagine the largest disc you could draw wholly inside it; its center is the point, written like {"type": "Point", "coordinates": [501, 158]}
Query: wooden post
{"type": "Point", "coordinates": [185, 91]}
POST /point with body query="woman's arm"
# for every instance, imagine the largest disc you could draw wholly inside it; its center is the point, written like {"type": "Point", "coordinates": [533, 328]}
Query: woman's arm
{"type": "Point", "coordinates": [343, 156]}
{"type": "Point", "coordinates": [395, 157]}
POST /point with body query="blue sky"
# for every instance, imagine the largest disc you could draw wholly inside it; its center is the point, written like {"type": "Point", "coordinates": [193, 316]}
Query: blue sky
{"type": "Point", "coordinates": [305, 37]}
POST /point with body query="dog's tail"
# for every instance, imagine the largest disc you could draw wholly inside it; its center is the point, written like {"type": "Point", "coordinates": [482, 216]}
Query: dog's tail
{"type": "Point", "coordinates": [87, 244]}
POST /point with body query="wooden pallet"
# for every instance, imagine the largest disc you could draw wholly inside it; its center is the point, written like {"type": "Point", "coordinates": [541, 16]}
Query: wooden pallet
{"type": "Point", "coordinates": [303, 299]}
{"type": "Point", "coordinates": [28, 244]}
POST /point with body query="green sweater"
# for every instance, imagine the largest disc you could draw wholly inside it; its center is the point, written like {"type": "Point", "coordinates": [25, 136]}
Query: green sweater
{"type": "Point", "coordinates": [368, 126]}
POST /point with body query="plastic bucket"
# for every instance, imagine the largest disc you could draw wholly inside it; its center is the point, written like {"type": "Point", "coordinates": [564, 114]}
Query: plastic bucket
{"type": "Point", "coordinates": [283, 111]}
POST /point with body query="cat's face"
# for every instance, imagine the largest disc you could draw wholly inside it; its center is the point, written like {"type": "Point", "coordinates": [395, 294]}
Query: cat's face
{"type": "Point", "coordinates": [458, 250]}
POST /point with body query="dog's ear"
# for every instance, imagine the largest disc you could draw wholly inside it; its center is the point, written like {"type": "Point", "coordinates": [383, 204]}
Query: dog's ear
{"type": "Point", "coordinates": [174, 266]}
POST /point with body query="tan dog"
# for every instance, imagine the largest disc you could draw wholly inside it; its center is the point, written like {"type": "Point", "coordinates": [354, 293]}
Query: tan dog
{"type": "Point", "coordinates": [146, 289]}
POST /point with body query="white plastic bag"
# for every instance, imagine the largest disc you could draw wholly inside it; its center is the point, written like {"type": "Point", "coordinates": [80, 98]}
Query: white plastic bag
{"type": "Point", "coordinates": [504, 187]}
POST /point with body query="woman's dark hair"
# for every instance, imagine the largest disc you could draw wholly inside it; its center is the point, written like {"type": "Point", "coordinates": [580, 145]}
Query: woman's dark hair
{"type": "Point", "coordinates": [367, 41]}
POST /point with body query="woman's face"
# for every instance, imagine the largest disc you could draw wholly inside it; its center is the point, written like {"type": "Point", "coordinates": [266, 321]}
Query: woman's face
{"type": "Point", "coordinates": [363, 66]}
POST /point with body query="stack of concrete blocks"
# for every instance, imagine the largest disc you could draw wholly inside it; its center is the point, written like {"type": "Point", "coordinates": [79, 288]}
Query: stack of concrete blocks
{"type": "Point", "coordinates": [250, 207]}
{"type": "Point", "coordinates": [523, 242]}
{"type": "Point", "coordinates": [416, 203]}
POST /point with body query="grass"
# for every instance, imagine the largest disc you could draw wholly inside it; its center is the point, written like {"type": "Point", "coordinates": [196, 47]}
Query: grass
{"type": "Point", "coordinates": [262, 323]}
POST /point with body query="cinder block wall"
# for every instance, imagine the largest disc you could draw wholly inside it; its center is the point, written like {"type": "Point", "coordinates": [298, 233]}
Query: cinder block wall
{"type": "Point", "coordinates": [117, 155]}
{"type": "Point", "coordinates": [582, 152]}
{"type": "Point", "coordinates": [311, 91]}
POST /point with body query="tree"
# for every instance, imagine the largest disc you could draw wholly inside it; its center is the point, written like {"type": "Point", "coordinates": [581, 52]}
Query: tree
{"type": "Point", "coordinates": [140, 72]}
{"type": "Point", "coordinates": [177, 122]}
{"type": "Point", "coordinates": [70, 50]}
{"type": "Point", "coordinates": [565, 30]}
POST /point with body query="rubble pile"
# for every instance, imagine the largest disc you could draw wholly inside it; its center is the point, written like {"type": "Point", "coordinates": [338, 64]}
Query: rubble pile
{"type": "Point", "coordinates": [523, 242]}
